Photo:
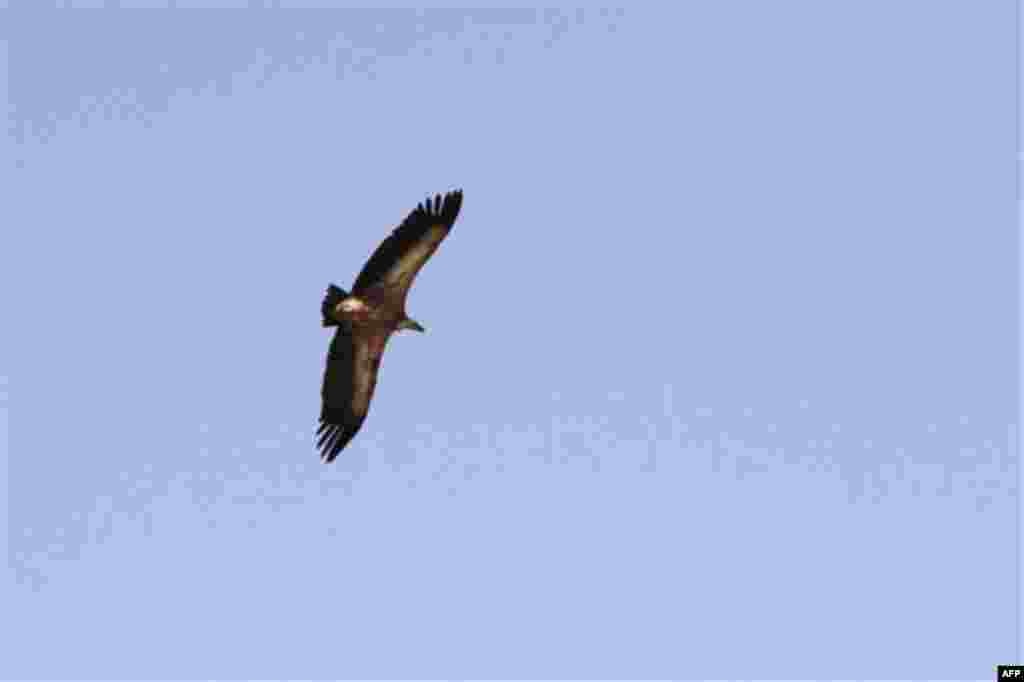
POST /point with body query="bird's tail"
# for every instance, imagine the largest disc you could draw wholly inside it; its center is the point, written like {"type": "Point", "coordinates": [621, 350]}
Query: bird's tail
{"type": "Point", "coordinates": [332, 298]}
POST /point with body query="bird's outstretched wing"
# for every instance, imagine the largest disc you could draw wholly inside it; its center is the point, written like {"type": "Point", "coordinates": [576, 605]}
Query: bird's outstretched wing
{"type": "Point", "coordinates": [399, 258]}
{"type": "Point", "coordinates": [349, 380]}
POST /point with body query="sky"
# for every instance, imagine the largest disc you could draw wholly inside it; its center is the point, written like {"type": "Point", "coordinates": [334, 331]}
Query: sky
{"type": "Point", "coordinates": [720, 377]}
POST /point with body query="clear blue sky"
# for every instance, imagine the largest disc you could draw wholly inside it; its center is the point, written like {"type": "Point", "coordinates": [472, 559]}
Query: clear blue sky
{"type": "Point", "coordinates": [720, 377]}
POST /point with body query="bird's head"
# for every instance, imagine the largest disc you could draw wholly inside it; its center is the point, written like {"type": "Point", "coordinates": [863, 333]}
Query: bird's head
{"type": "Point", "coordinates": [411, 324]}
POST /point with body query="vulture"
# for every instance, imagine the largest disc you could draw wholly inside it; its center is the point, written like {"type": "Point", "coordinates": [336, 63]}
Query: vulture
{"type": "Point", "coordinates": [366, 317]}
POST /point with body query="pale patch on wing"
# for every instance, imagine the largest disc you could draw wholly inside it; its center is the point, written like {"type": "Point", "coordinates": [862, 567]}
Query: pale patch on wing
{"type": "Point", "coordinates": [404, 271]}
{"type": "Point", "coordinates": [351, 305]}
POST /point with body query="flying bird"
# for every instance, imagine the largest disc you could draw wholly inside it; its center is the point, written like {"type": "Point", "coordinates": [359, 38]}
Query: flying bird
{"type": "Point", "coordinates": [367, 317]}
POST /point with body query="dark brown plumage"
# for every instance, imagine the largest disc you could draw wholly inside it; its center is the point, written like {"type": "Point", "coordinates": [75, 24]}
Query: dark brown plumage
{"type": "Point", "coordinates": [366, 318]}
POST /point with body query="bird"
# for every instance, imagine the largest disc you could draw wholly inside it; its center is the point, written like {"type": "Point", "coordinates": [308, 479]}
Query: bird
{"type": "Point", "coordinates": [365, 318]}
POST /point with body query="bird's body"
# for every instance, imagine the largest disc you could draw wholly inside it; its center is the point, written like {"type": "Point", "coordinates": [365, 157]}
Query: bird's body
{"type": "Point", "coordinates": [366, 319]}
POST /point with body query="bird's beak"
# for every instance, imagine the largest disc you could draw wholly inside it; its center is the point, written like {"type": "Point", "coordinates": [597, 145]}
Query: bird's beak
{"type": "Point", "coordinates": [415, 326]}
